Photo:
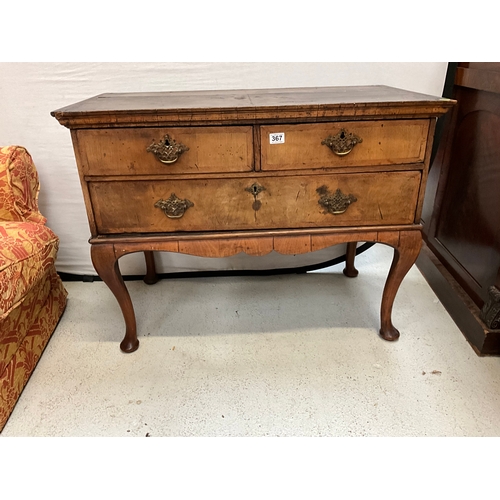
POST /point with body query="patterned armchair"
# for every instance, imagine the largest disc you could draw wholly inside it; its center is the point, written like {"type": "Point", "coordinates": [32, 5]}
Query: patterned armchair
{"type": "Point", "coordinates": [32, 296]}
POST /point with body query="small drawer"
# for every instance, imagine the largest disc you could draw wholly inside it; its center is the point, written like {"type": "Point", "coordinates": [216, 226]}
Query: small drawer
{"type": "Point", "coordinates": [360, 143]}
{"type": "Point", "coordinates": [255, 203]}
{"type": "Point", "coordinates": [200, 150]}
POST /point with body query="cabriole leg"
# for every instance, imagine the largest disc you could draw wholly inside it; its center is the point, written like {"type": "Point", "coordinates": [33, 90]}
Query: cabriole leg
{"type": "Point", "coordinates": [350, 271]}
{"type": "Point", "coordinates": [405, 255]}
{"type": "Point", "coordinates": [106, 265]}
{"type": "Point", "coordinates": [151, 277]}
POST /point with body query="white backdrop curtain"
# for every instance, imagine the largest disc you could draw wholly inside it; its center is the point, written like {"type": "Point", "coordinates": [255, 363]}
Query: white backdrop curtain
{"type": "Point", "coordinates": [30, 91]}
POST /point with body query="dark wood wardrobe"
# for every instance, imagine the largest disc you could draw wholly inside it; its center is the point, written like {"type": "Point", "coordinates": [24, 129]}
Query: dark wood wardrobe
{"type": "Point", "coordinates": [461, 215]}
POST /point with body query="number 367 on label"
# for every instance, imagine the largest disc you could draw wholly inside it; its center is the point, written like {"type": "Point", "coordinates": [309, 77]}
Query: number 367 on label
{"type": "Point", "coordinates": [277, 138]}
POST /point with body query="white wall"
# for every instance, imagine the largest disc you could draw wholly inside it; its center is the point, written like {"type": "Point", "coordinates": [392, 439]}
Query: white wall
{"type": "Point", "coordinates": [30, 91]}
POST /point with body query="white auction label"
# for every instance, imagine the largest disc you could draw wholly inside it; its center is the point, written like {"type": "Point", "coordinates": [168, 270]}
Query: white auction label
{"type": "Point", "coordinates": [277, 138]}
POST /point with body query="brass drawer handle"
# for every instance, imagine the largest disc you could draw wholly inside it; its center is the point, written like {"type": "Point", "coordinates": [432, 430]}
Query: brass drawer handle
{"type": "Point", "coordinates": [174, 207]}
{"type": "Point", "coordinates": [167, 150]}
{"type": "Point", "coordinates": [336, 203]}
{"type": "Point", "coordinates": [342, 143]}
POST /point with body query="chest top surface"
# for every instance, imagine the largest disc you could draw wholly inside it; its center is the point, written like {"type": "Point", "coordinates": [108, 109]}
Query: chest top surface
{"type": "Point", "coordinates": [308, 103]}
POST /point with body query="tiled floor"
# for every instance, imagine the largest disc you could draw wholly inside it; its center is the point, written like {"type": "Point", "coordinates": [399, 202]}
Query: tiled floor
{"type": "Point", "coordinates": [292, 355]}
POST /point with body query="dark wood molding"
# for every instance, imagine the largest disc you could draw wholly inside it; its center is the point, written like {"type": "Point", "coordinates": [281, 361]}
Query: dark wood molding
{"type": "Point", "coordinates": [462, 310]}
{"type": "Point", "coordinates": [479, 79]}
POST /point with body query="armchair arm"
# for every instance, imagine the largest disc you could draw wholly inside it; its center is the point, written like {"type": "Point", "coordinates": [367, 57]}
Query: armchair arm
{"type": "Point", "coordinates": [19, 186]}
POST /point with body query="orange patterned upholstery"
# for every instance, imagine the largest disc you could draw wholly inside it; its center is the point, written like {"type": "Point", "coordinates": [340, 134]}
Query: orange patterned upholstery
{"type": "Point", "coordinates": [19, 186]}
{"type": "Point", "coordinates": [32, 296]}
{"type": "Point", "coordinates": [26, 251]}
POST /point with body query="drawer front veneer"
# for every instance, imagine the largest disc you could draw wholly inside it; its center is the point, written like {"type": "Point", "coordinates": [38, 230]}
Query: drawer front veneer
{"type": "Point", "coordinates": [387, 142]}
{"type": "Point", "coordinates": [255, 202]}
{"type": "Point", "coordinates": [125, 151]}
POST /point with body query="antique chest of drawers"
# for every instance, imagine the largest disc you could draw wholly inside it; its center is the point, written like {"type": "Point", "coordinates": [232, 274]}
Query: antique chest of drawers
{"type": "Point", "coordinates": [214, 173]}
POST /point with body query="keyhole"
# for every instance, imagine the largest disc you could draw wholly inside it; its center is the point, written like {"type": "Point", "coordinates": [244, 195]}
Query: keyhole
{"type": "Point", "coordinates": [342, 135]}
{"type": "Point", "coordinates": [255, 189]}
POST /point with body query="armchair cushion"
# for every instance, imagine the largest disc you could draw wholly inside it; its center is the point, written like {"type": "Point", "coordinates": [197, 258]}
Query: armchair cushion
{"type": "Point", "coordinates": [27, 250]}
{"type": "Point", "coordinates": [19, 186]}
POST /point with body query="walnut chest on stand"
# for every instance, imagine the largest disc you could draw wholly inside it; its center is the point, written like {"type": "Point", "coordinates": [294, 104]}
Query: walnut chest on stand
{"type": "Point", "coordinates": [215, 173]}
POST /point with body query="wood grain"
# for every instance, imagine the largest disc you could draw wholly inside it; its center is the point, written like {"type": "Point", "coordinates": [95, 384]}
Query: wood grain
{"type": "Point", "coordinates": [227, 247]}
{"type": "Point", "coordinates": [292, 245]}
{"type": "Point", "coordinates": [123, 151]}
{"type": "Point", "coordinates": [226, 205]}
{"type": "Point", "coordinates": [221, 107]}
{"type": "Point", "coordinates": [389, 142]}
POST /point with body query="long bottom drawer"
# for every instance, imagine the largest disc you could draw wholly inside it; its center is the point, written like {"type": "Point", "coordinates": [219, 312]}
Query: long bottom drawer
{"type": "Point", "coordinates": [255, 202]}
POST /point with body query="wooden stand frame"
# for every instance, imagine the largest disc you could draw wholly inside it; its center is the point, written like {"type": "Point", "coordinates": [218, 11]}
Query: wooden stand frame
{"type": "Point", "coordinates": [106, 252]}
